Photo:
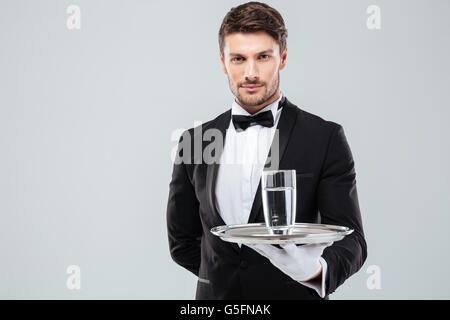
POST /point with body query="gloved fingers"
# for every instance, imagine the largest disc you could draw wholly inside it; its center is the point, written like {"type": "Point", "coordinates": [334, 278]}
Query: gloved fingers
{"type": "Point", "coordinates": [269, 250]}
{"type": "Point", "coordinates": [273, 260]}
{"type": "Point", "coordinates": [290, 248]}
{"type": "Point", "coordinates": [319, 246]}
{"type": "Point", "coordinates": [313, 249]}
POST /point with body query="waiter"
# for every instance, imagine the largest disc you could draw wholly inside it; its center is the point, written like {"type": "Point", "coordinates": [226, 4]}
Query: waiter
{"type": "Point", "coordinates": [205, 194]}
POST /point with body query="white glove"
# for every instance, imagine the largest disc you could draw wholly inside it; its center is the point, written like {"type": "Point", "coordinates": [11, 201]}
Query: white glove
{"type": "Point", "coordinates": [300, 263]}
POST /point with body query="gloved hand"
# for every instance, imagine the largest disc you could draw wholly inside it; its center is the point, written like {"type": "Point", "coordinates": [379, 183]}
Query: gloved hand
{"type": "Point", "coordinates": [301, 263]}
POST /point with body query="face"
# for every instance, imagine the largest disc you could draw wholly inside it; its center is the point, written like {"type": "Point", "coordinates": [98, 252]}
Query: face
{"type": "Point", "coordinates": [252, 63]}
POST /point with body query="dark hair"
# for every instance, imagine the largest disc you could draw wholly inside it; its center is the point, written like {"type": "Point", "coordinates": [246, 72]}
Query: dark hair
{"type": "Point", "coordinates": [252, 17]}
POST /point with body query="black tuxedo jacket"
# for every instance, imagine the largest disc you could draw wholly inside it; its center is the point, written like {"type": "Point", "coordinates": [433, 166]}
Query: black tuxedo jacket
{"type": "Point", "coordinates": [326, 193]}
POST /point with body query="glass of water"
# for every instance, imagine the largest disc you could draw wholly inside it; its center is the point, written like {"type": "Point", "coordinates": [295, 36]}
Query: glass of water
{"type": "Point", "coordinates": [279, 200]}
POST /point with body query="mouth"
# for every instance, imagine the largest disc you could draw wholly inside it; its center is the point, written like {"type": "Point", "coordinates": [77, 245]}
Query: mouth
{"type": "Point", "coordinates": [252, 87]}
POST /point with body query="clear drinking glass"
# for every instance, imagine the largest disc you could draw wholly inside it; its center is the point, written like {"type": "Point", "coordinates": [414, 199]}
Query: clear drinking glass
{"type": "Point", "coordinates": [279, 200]}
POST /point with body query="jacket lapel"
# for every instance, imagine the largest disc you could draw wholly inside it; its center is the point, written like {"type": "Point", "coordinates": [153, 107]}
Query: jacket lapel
{"type": "Point", "coordinates": [222, 124]}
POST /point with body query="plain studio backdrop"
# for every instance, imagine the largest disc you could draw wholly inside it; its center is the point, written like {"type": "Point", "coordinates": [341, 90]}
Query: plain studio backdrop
{"type": "Point", "coordinates": [88, 116]}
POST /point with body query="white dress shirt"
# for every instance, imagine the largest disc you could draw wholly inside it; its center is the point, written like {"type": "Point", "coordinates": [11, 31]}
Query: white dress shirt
{"type": "Point", "coordinates": [241, 165]}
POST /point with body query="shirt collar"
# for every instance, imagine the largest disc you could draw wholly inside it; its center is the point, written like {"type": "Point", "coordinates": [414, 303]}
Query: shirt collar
{"type": "Point", "coordinates": [237, 109]}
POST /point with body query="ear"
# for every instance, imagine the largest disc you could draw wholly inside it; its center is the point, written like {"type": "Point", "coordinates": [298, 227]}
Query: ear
{"type": "Point", "coordinates": [222, 60]}
{"type": "Point", "coordinates": [283, 59]}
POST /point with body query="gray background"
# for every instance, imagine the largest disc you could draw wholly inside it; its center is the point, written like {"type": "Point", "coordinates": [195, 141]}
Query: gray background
{"type": "Point", "coordinates": [86, 118]}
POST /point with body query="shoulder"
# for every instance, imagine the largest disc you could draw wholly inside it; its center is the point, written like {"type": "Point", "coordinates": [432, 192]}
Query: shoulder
{"type": "Point", "coordinates": [327, 133]}
{"type": "Point", "coordinates": [314, 122]}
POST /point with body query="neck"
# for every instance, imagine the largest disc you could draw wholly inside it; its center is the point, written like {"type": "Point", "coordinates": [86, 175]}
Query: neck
{"type": "Point", "coordinates": [254, 109]}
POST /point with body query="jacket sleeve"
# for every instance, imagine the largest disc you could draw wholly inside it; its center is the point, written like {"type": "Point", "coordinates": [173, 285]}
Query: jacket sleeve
{"type": "Point", "coordinates": [338, 205]}
{"type": "Point", "coordinates": [184, 227]}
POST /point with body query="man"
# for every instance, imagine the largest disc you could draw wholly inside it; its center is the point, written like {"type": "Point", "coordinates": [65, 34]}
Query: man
{"type": "Point", "coordinates": [205, 194]}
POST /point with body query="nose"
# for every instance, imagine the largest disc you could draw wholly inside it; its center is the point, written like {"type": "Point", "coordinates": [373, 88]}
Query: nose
{"type": "Point", "coordinates": [251, 77]}
{"type": "Point", "coordinates": [251, 73]}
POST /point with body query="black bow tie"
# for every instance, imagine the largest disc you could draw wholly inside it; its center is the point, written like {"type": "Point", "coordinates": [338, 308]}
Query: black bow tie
{"type": "Point", "coordinates": [242, 122]}
{"type": "Point", "coordinates": [265, 119]}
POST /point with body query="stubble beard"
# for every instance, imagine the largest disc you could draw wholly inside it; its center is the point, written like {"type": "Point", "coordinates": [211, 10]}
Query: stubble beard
{"type": "Point", "coordinates": [250, 101]}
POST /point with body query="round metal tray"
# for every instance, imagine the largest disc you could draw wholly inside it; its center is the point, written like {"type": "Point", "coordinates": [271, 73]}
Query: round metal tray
{"type": "Point", "coordinates": [300, 233]}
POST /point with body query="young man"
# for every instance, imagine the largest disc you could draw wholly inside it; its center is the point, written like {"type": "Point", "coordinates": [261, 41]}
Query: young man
{"type": "Point", "coordinates": [205, 194]}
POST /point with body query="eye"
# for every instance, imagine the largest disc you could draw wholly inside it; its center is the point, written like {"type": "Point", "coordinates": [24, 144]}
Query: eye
{"type": "Point", "coordinates": [265, 55]}
{"type": "Point", "coordinates": [234, 59]}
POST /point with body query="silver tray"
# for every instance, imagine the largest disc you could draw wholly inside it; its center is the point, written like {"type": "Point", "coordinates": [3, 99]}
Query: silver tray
{"type": "Point", "coordinates": [300, 233]}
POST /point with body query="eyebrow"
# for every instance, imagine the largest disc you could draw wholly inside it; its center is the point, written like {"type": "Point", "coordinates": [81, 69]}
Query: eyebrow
{"type": "Point", "coordinates": [262, 52]}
